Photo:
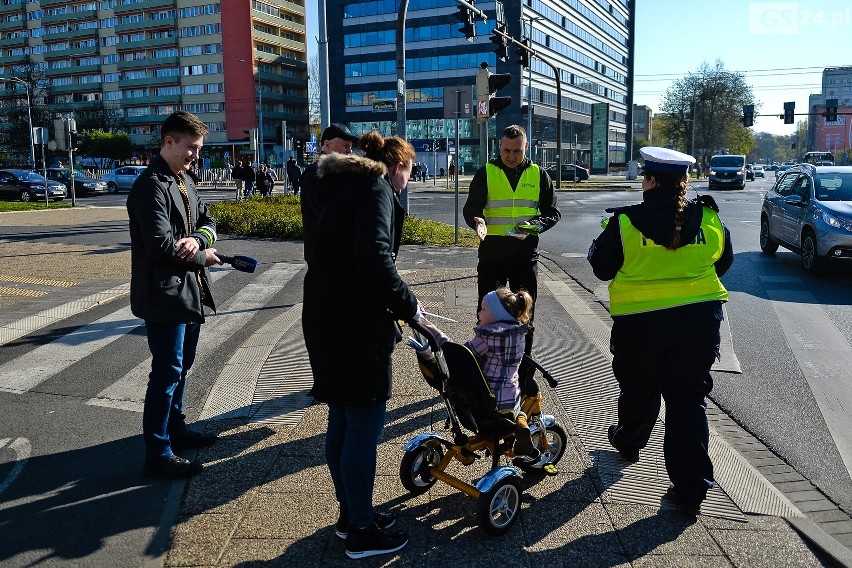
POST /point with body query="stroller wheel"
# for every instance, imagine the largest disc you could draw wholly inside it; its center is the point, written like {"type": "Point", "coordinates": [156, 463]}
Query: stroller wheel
{"type": "Point", "coordinates": [414, 469]}
{"type": "Point", "coordinates": [556, 442]}
{"type": "Point", "coordinates": [499, 507]}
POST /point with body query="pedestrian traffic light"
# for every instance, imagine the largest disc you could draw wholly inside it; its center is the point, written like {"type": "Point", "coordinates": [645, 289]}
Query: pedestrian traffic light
{"type": "Point", "coordinates": [502, 44]}
{"type": "Point", "coordinates": [748, 115]}
{"type": "Point", "coordinates": [74, 140]}
{"type": "Point", "coordinates": [59, 134]}
{"type": "Point", "coordinates": [789, 114]}
{"type": "Point", "coordinates": [486, 85]}
{"type": "Point", "coordinates": [466, 16]}
{"type": "Point", "coordinates": [830, 110]}
{"type": "Point", "coordinates": [524, 54]}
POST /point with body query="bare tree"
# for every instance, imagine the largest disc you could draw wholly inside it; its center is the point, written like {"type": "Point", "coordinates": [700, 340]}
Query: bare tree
{"type": "Point", "coordinates": [704, 109]}
{"type": "Point", "coordinates": [314, 91]}
{"type": "Point", "coordinates": [14, 106]}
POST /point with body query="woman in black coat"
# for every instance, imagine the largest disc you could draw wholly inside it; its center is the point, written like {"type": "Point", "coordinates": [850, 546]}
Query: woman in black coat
{"type": "Point", "coordinates": [353, 298]}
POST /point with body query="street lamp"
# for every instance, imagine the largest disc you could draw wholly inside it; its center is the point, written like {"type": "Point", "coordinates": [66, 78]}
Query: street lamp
{"type": "Point", "coordinates": [29, 119]}
{"type": "Point", "coordinates": [529, 92]}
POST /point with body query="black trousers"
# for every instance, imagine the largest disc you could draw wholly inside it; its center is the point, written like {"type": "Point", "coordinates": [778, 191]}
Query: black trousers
{"type": "Point", "coordinates": [517, 275]}
{"type": "Point", "coordinates": [668, 353]}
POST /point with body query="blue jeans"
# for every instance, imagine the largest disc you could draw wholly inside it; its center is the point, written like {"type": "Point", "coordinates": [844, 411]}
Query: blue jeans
{"type": "Point", "coordinates": [173, 352]}
{"type": "Point", "coordinates": [249, 190]}
{"type": "Point", "coordinates": [350, 450]}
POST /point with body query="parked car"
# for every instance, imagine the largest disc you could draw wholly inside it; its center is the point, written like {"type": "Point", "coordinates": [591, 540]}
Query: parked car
{"type": "Point", "coordinates": [122, 178]}
{"type": "Point", "coordinates": [568, 172]}
{"type": "Point", "coordinates": [727, 170]}
{"type": "Point", "coordinates": [759, 172]}
{"type": "Point", "coordinates": [749, 172]}
{"type": "Point", "coordinates": [29, 186]}
{"type": "Point", "coordinates": [808, 211]}
{"type": "Point", "coordinates": [83, 185]}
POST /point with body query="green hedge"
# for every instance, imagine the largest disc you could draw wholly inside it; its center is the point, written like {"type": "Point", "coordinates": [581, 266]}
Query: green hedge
{"type": "Point", "coordinates": [280, 217]}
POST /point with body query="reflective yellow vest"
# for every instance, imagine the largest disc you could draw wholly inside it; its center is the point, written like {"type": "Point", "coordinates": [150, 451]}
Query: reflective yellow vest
{"type": "Point", "coordinates": [505, 208]}
{"type": "Point", "coordinates": [654, 277]}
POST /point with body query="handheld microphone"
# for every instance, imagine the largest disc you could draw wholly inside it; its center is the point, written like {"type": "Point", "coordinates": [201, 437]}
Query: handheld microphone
{"type": "Point", "coordinates": [240, 262]}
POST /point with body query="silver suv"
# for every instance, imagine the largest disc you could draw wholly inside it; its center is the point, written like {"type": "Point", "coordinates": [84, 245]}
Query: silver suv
{"type": "Point", "coordinates": [809, 211]}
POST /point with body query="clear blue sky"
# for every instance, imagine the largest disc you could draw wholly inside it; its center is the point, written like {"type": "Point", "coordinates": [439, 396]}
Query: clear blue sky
{"type": "Point", "coordinates": [780, 47]}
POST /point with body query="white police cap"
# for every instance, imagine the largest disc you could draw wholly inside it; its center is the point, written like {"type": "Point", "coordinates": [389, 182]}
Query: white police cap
{"type": "Point", "coordinates": [664, 160]}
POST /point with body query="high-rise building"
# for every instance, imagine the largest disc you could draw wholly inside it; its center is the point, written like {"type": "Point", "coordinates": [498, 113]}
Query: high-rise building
{"type": "Point", "coordinates": [831, 136]}
{"type": "Point", "coordinates": [589, 42]}
{"type": "Point", "coordinates": [234, 63]}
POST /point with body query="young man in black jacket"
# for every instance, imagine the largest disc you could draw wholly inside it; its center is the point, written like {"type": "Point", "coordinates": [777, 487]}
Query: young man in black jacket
{"type": "Point", "coordinates": [511, 201]}
{"type": "Point", "coordinates": [171, 239]}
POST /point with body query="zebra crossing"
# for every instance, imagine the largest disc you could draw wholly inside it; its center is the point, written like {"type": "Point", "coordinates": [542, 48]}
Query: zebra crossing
{"type": "Point", "coordinates": [127, 392]}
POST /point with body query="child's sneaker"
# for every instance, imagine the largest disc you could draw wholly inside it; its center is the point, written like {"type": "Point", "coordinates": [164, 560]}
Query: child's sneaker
{"type": "Point", "coordinates": [341, 528]}
{"type": "Point", "coordinates": [373, 540]}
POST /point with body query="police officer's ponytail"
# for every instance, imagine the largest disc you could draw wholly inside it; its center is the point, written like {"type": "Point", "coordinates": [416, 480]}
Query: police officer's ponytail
{"type": "Point", "coordinates": [677, 184]}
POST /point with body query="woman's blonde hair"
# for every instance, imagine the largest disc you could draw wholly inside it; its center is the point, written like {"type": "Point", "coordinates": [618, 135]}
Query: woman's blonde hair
{"type": "Point", "coordinates": [389, 151]}
{"type": "Point", "coordinates": [679, 184]}
{"type": "Point", "coordinates": [519, 304]}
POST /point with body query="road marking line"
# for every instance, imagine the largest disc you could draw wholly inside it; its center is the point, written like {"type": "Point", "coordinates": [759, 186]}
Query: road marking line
{"type": "Point", "coordinates": [18, 329]}
{"type": "Point", "coordinates": [128, 392]}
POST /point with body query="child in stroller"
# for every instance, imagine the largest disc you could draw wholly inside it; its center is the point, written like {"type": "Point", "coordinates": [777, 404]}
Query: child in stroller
{"type": "Point", "coordinates": [498, 343]}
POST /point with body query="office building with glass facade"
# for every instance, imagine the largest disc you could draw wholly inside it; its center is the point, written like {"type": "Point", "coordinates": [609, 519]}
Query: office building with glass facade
{"type": "Point", "coordinates": [130, 63]}
{"type": "Point", "coordinates": [588, 41]}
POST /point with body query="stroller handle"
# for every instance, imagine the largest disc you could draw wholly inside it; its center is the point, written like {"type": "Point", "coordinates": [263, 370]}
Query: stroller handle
{"type": "Point", "coordinates": [547, 376]}
{"type": "Point", "coordinates": [424, 333]}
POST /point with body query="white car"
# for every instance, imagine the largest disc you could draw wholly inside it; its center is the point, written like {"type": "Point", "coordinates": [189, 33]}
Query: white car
{"type": "Point", "coordinates": [759, 172]}
{"type": "Point", "coordinates": [122, 178]}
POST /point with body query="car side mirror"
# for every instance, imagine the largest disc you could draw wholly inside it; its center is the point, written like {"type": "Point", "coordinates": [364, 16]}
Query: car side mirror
{"type": "Point", "coordinates": [794, 200]}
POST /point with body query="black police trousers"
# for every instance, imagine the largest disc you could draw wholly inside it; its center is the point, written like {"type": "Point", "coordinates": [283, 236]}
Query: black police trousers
{"type": "Point", "coordinates": [668, 353]}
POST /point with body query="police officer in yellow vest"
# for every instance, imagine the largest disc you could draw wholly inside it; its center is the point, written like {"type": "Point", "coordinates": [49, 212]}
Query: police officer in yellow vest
{"type": "Point", "coordinates": [511, 201]}
{"type": "Point", "coordinates": [664, 257]}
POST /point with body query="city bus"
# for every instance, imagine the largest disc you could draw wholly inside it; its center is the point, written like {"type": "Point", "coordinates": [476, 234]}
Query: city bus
{"type": "Point", "coordinates": [818, 158]}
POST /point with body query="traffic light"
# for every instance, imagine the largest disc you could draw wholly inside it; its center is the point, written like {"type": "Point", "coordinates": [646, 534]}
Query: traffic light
{"type": "Point", "coordinates": [486, 85]}
{"type": "Point", "coordinates": [466, 16]}
{"type": "Point", "coordinates": [748, 115]}
{"type": "Point", "coordinates": [502, 45]}
{"type": "Point", "coordinates": [59, 134]}
{"type": "Point", "coordinates": [524, 55]}
{"type": "Point", "coordinates": [74, 139]}
{"type": "Point", "coordinates": [831, 110]}
{"type": "Point", "coordinates": [789, 115]}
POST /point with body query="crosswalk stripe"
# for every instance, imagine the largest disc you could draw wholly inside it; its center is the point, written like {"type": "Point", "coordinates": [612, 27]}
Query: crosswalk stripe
{"type": "Point", "coordinates": [24, 326]}
{"type": "Point", "coordinates": [33, 368]}
{"type": "Point", "coordinates": [128, 392]}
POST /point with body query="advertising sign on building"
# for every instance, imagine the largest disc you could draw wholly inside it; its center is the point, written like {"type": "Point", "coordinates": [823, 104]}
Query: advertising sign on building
{"type": "Point", "coordinates": [380, 105]}
{"type": "Point", "coordinates": [600, 138]}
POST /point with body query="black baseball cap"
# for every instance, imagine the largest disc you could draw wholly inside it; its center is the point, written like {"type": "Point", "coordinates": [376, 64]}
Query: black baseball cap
{"type": "Point", "coordinates": [337, 130]}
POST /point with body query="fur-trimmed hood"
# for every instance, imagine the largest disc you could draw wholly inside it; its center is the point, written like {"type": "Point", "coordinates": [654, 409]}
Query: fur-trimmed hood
{"type": "Point", "coordinates": [350, 164]}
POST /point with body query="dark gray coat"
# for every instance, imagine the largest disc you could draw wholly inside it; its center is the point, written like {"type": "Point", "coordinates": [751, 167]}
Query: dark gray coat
{"type": "Point", "coordinates": [353, 292]}
{"type": "Point", "coordinates": [163, 288]}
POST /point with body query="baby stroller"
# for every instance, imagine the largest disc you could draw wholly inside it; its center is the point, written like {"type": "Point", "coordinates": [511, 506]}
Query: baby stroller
{"type": "Point", "coordinates": [455, 373]}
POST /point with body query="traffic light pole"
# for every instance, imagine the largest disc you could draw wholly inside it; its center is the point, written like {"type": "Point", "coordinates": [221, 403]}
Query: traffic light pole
{"type": "Point", "coordinates": [400, 86]}
{"type": "Point", "coordinates": [534, 53]}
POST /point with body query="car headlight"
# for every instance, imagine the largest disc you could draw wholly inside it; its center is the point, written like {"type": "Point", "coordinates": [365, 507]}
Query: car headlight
{"type": "Point", "coordinates": [712, 172]}
{"type": "Point", "coordinates": [836, 222]}
{"type": "Point", "coordinates": [739, 173]}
